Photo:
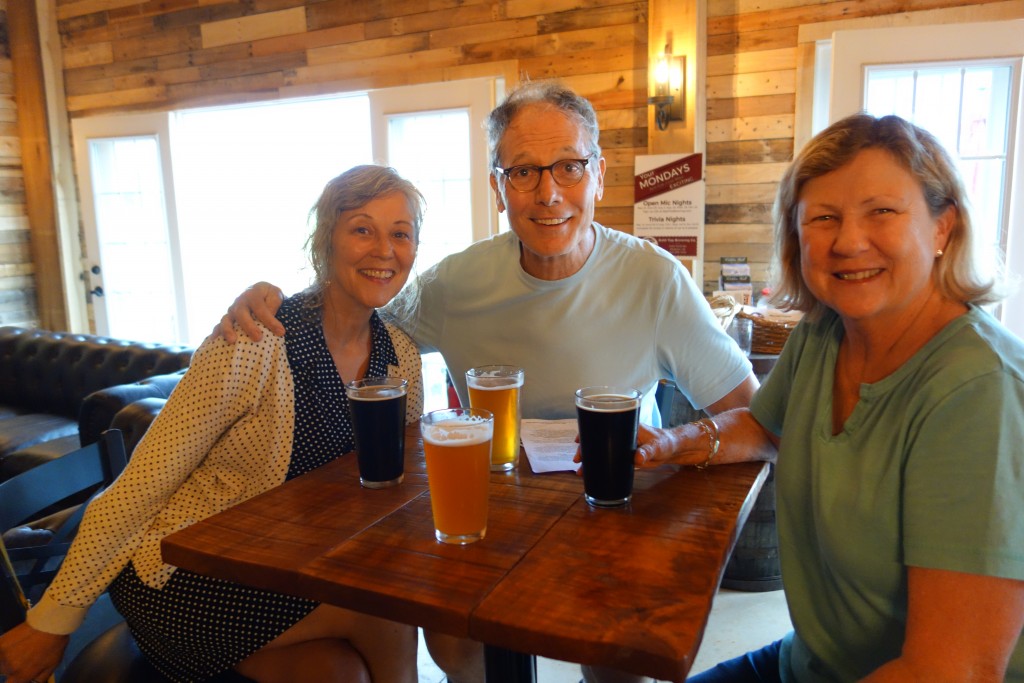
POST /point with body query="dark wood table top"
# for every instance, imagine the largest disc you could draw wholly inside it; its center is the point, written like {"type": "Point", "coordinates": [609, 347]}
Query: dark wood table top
{"type": "Point", "coordinates": [629, 588]}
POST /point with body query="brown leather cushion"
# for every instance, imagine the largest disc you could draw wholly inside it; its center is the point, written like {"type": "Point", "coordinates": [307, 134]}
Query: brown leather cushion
{"type": "Point", "coordinates": [22, 431]}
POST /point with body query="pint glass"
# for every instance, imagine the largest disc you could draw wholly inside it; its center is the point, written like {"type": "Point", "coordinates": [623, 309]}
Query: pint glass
{"type": "Point", "coordinates": [607, 418]}
{"type": "Point", "coordinates": [457, 447]}
{"type": "Point", "coordinates": [377, 406]}
{"type": "Point", "coordinates": [496, 388]}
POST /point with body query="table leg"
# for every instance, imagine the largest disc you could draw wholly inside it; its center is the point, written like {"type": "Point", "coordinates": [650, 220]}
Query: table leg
{"type": "Point", "coordinates": [506, 666]}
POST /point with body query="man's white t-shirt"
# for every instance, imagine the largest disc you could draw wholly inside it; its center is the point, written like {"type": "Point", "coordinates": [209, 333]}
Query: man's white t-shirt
{"type": "Point", "coordinates": [629, 317]}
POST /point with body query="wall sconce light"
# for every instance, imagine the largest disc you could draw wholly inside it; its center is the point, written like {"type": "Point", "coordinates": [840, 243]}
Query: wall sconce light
{"type": "Point", "coordinates": [669, 94]}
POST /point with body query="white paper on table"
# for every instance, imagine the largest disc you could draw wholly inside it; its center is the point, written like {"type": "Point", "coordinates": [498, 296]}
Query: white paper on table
{"type": "Point", "coordinates": [550, 444]}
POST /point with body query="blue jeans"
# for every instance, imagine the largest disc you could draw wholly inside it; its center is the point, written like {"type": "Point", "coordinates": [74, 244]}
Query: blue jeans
{"type": "Point", "coordinates": [759, 666]}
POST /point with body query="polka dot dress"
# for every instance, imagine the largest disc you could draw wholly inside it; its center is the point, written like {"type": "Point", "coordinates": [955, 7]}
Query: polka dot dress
{"type": "Point", "coordinates": [196, 627]}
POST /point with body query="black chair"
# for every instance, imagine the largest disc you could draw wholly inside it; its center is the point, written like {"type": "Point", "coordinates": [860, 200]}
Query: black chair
{"type": "Point", "coordinates": [44, 489]}
{"type": "Point", "coordinates": [12, 603]}
{"type": "Point", "coordinates": [36, 538]}
{"type": "Point", "coordinates": [102, 650]}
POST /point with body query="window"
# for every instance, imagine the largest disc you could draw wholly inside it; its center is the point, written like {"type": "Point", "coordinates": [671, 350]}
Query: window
{"type": "Point", "coordinates": [960, 81]}
{"type": "Point", "coordinates": [966, 106]}
{"type": "Point", "coordinates": [182, 210]}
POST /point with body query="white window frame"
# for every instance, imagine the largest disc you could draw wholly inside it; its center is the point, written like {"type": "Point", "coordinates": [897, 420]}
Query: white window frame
{"type": "Point", "coordinates": [852, 49]}
{"type": "Point", "coordinates": [478, 96]}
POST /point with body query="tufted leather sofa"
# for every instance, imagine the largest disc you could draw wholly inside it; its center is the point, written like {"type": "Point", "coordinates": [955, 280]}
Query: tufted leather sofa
{"type": "Point", "coordinates": [58, 390]}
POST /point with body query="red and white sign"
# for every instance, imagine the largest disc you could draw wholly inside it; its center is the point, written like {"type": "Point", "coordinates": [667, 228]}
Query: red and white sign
{"type": "Point", "coordinates": [668, 209]}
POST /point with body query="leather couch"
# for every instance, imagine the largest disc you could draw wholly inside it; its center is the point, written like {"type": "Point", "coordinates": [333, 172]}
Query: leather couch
{"type": "Point", "coordinates": [59, 391]}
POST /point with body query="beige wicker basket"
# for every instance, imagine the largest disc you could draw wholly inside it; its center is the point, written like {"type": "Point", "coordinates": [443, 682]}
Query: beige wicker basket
{"type": "Point", "coordinates": [768, 336]}
{"type": "Point", "coordinates": [725, 309]}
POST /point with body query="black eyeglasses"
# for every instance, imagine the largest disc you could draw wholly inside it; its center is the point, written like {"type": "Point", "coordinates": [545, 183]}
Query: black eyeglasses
{"type": "Point", "coordinates": [526, 177]}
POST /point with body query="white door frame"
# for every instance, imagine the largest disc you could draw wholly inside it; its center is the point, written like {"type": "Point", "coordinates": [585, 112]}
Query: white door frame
{"type": "Point", "coordinates": [478, 96]}
{"type": "Point", "coordinates": [156, 124]}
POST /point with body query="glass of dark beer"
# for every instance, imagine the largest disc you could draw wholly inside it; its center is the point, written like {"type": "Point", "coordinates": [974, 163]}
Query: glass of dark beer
{"type": "Point", "coordinates": [607, 418]}
{"type": "Point", "coordinates": [377, 406]}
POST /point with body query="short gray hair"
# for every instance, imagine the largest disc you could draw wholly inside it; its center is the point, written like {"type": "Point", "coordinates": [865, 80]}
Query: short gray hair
{"type": "Point", "coordinates": [553, 93]}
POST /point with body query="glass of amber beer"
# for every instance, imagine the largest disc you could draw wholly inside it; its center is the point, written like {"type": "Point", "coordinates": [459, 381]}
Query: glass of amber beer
{"type": "Point", "coordinates": [607, 418]}
{"type": "Point", "coordinates": [457, 447]}
{"type": "Point", "coordinates": [496, 388]}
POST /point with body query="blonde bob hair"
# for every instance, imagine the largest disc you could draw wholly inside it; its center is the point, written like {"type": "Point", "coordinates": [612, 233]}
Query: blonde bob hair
{"type": "Point", "coordinates": [957, 274]}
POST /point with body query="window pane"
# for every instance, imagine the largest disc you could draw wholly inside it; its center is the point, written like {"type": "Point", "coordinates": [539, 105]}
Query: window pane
{"type": "Point", "coordinates": [246, 180]}
{"type": "Point", "coordinates": [892, 92]}
{"type": "Point", "coordinates": [986, 111]}
{"type": "Point", "coordinates": [936, 102]}
{"type": "Point", "coordinates": [128, 196]}
{"type": "Point", "coordinates": [984, 181]}
{"type": "Point", "coordinates": [431, 149]}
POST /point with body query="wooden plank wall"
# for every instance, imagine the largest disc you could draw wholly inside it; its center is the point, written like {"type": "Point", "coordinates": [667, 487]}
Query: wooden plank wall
{"type": "Point", "coordinates": [120, 54]}
{"type": "Point", "coordinates": [752, 57]}
{"type": "Point", "coordinates": [17, 288]}
{"type": "Point", "coordinates": [131, 55]}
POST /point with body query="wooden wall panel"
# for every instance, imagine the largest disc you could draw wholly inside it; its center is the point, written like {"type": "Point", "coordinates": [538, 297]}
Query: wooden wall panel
{"type": "Point", "coordinates": [145, 55]}
{"type": "Point", "coordinates": [121, 55]}
{"type": "Point", "coordinates": [752, 84]}
{"type": "Point", "coordinates": [18, 302]}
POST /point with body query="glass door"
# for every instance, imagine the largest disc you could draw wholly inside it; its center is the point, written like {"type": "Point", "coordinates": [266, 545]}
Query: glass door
{"type": "Point", "coordinates": [130, 265]}
{"type": "Point", "coordinates": [433, 135]}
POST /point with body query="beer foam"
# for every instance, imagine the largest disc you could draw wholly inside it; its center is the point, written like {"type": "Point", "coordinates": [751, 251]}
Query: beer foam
{"type": "Point", "coordinates": [489, 383]}
{"type": "Point", "coordinates": [377, 394]}
{"type": "Point", "coordinates": [608, 403]}
{"type": "Point", "coordinates": [458, 432]}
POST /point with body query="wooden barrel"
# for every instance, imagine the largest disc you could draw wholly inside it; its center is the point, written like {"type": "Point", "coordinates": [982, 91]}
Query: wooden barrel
{"type": "Point", "coordinates": [754, 565]}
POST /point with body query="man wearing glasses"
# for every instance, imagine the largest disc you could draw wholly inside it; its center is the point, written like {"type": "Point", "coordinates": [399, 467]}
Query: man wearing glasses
{"type": "Point", "coordinates": [570, 301]}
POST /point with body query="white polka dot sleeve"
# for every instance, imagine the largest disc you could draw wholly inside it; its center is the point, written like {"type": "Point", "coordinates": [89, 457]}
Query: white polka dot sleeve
{"type": "Point", "coordinates": [224, 435]}
{"type": "Point", "coordinates": [410, 366]}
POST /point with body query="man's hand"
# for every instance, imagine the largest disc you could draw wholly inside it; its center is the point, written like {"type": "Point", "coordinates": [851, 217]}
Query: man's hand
{"type": "Point", "coordinates": [258, 302]}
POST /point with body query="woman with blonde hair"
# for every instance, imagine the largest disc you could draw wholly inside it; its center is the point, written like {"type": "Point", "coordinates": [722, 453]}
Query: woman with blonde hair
{"type": "Point", "coordinates": [245, 418]}
{"type": "Point", "coordinates": [896, 417]}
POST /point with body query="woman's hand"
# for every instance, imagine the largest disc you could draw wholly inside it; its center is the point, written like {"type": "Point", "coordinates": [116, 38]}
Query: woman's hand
{"type": "Point", "coordinates": [655, 447]}
{"type": "Point", "coordinates": [740, 438]}
{"type": "Point", "coordinates": [28, 655]}
{"type": "Point", "coordinates": [658, 446]}
{"type": "Point", "coordinates": [258, 302]}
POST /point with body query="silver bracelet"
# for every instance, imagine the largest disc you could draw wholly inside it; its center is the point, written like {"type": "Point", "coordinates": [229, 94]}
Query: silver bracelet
{"type": "Point", "coordinates": [709, 427]}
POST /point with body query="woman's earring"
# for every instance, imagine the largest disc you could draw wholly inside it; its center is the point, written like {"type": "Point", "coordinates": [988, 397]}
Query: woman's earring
{"type": "Point", "coordinates": [938, 253]}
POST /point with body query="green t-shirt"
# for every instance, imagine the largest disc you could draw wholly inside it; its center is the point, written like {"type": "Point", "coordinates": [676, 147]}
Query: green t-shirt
{"type": "Point", "coordinates": [928, 471]}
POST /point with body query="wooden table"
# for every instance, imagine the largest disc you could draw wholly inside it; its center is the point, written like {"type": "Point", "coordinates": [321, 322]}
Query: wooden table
{"type": "Point", "coordinates": [629, 588]}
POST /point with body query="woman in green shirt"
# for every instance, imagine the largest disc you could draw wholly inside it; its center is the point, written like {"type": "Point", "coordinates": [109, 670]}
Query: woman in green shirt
{"type": "Point", "coordinates": [896, 417]}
